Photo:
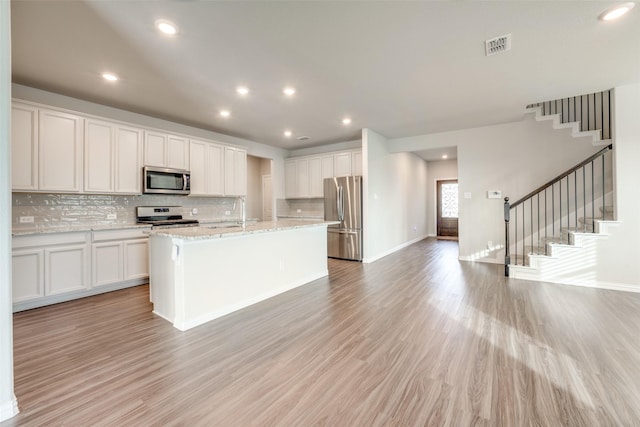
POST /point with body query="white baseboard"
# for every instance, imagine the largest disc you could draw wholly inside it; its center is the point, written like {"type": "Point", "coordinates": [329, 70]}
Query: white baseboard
{"type": "Point", "coordinates": [485, 260]}
{"type": "Point", "coordinates": [394, 249]}
{"type": "Point", "coordinates": [9, 409]}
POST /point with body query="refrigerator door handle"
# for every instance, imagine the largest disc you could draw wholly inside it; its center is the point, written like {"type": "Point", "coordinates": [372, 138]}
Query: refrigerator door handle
{"type": "Point", "coordinates": [340, 204]}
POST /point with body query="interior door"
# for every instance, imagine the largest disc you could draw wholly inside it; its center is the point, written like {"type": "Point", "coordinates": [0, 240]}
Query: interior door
{"type": "Point", "coordinates": [447, 218]}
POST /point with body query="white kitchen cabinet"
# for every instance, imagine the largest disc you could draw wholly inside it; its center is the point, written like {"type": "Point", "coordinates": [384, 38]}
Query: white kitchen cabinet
{"type": "Point", "coordinates": [24, 147]}
{"type": "Point", "coordinates": [356, 162]}
{"type": "Point", "coordinates": [165, 150]}
{"type": "Point", "coordinates": [49, 265]}
{"type": "Point", "coordinates": [342, 164]}
{"type": "Point", "coordinates": [207, 168]}
{"type": "Point", "coordinates": [290, 179]}
{"type": "Point", "coordinates": [327, 166]}
{"type": "Point", "coordinates": [60, 146]}
{"type": "Point", "coordinates": [302, 178]}
{"type": "Point", "coordinates": [119, 255]}
{"type": "Point", "coordinates": [235, 171]}
{"type": "Point", "coordinates": [315, 177]}
{"type": "Point", "coordinates": [136, 259]}
{"type": "Point", "coordinates": [113, 158]}
{"type": "Point", "coordinates": [28, 274]}
{"type": "Point", "coordinates": [107, 263]}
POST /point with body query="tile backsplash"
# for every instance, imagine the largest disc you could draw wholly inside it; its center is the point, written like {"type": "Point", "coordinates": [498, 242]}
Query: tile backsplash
{"type": "Point", "coordinates": [69, 210]}
{"type": "Point", "coordinates": [300, 207]}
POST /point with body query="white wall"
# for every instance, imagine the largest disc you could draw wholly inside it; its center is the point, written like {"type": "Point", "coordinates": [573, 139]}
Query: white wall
{"type": "Point", "coordinates": [395, 197]}
{"type": "Point", "coordinates": [8, 403]}
{"type": "Point", "coordinates": [437, 171]}
{"type": "Point", "coordinates": [254, 187]}
{"type": "Point", "coordinates": [514, 158]}
{"type": "Point", "coordinates": [253, 148]}
{"type": "Point", "coordinates": [619, 256]}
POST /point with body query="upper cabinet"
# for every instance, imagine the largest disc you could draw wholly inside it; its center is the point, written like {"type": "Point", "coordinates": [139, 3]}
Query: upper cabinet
{"type": "Point", "coordinates": [24, 147]}
{"type": "Point", "coordinates": [112, 158]}
{"type": "Point", "coordinates": [46, 150]}
{"type": "Point", "coordinates": [304, 176]}
{"type": "Point", "coordinates": [163, 150]}
{"type": "Point", "coordinates": [207, 168]}
{"type": "Point", "coordinates": [235, 171]}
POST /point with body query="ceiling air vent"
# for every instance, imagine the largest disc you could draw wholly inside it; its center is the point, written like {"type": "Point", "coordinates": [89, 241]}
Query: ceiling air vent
{"type": "Point", "coordinates": [497, 45]}
{"type": "Point", "coordinates": [302, 138]}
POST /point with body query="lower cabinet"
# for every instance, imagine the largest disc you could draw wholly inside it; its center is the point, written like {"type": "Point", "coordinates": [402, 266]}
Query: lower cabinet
{"type": "Point", "coordinates": [55, 267]}
{"type": "Point", "coordinates": [49, 265]}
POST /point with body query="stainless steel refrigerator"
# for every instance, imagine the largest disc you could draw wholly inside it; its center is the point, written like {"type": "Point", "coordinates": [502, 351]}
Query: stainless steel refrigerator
{"type": "Point", "coordinates": [343, 202]}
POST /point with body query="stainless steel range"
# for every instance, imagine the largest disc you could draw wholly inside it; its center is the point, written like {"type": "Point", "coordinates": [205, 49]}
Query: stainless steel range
{"type": "Point", "coordinates": [163, 217]}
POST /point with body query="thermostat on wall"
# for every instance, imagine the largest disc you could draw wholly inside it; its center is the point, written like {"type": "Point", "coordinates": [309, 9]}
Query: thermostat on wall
{"type": "Point", "coordinates": [494, 194]}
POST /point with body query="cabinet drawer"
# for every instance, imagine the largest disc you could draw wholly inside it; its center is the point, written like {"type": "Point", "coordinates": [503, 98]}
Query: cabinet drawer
{"type": "Point", "coordinates": [121, 234]}
{"type": "Point", "coordinates": [49, 239]}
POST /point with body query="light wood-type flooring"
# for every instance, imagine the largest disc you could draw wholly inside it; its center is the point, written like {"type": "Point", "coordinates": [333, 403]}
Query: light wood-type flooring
{"type": "Point", "coordinates": [414, 339]}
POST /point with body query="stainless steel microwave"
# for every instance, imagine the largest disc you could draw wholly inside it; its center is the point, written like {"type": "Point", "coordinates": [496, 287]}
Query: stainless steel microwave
{"type": "Point", "coordinates": [165, 180]}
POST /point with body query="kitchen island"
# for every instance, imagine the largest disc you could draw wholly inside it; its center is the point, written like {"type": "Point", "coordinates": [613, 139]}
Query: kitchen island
{"type": "Point", "coordinates": [198, 274]}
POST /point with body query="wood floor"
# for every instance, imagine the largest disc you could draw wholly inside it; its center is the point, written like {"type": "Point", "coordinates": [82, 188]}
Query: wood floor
{"type": "Point", "coordinates": [414, 339]}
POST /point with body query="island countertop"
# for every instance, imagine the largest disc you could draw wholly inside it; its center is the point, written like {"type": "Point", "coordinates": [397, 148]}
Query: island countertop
{"type": "Point", "coordinates": [203, 232]}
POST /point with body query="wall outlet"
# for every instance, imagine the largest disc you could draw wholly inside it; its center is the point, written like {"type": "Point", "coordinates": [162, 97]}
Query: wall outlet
{"type": "Point", "coordinates": [298, 210]}
{"type": "Point", "coordinates": [112, 216]}
{"type": "Point", "coordinates": [26, 220]}
{"type": "Point", "coordinates": [227, 212]}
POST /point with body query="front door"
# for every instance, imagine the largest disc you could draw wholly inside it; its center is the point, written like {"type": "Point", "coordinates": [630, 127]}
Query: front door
{"type": "Point", "coordinates": [447, 221]}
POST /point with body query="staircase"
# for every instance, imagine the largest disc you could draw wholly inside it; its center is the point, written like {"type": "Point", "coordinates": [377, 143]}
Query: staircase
{"type": "Point", "coordinates": [552, 233]}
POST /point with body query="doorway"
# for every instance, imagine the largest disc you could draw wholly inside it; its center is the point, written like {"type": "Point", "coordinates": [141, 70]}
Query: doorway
{"type": "Point", "coordinates": [447, 208]}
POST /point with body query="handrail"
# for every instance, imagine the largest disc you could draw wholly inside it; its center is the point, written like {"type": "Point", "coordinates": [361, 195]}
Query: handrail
{"type": "Point", "coordinates": [562, 176]}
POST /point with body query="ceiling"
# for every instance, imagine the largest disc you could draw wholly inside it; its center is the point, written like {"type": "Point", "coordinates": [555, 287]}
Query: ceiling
{"type": "Point", "coordinates": [398, 68]}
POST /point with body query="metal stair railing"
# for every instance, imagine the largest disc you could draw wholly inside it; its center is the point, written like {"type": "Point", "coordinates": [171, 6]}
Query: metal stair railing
{"type": "Point", "coordinates": [553, 207]}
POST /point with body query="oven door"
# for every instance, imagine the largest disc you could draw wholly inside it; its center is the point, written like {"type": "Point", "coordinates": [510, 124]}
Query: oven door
{"type": "Point", "coordinates": [165, 181]}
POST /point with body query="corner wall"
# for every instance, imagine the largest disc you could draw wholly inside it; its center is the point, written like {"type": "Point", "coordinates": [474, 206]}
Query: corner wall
{"type": "Point", "coordinates": [618, 255]}
{"type": "Point", "coordinates": [394, 197]}
{"type": "Point", "coordinates": [8, 402]}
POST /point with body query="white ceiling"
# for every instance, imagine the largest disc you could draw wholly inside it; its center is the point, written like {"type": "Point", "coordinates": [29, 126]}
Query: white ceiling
{"type": "Point", "coordinates": [399, 68]}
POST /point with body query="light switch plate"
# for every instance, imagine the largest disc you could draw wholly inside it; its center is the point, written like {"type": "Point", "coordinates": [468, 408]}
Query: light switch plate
{"type": "Point", "coordinates": [112, 216]}
{"type": "Point", "coordinates": [26, 220]}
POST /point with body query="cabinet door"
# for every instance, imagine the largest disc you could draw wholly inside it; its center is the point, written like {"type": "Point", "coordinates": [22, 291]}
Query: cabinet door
{"type": "Point", "coordinates": [155, 149]}
{"type": "Point", "coordinates": [177, 152]}
{"type": "Point", "coordinates": [27, 274]}
{"type": "Point", "coordinates": [327, 166]}
{"type": "Point", "coordinates": [290, 179]}
{"type": "Point", "coordinates": [215, 178]}
{"type": "Point", "coordinates": [98, 157]}
{"type": "Point", "coordinates": [136, 259]}
{"type": "Point", "coordinates": [302, 177]}
{"type": "Point", "coordinates": [128, 164]}
{"type": "Point", "coordinates": [315, 177]}
{"type": "Point", "coordinates": [356, 163]}
{"type": "Point", "coordinates": [24, 147]}
{"type": "Point", "coordinates": [342, 164]}
{"type": "Point", "coordinates": [198, 163]}
{"type": "Point", "coordinates": [240, 173]}
{"type": "Point", "coordinates": [107, 263]}
{"type": "Point", "coordinates": [66, 269]}
{"type": "Point", "coordinates": [60, 151]}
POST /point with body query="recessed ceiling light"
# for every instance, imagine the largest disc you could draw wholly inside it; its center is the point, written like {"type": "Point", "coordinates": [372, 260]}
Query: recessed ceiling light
{"type": "Point", "coordinates": [289, 91]}
{"type": "Point", "coordinates": [346, 121]}
{"type": "Point", "coordinates": [166, 27]}
{"type": "Point", "coordinates": [444, 156]}
{"type": "Point", "coordinates": [242, 90]}
{"type": "Point", "coordinates": [287, 133]}
{"type": "Point", "coordinates": [616, 11]}
{"type": "Point", "coordinates": [225, 113]}
{"type": "Point", "coordinates": [110, 77]}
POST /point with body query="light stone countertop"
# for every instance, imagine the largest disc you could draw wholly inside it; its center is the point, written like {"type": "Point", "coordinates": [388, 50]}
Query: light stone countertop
{"type": "Point", "coordinates": [203, 233]}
